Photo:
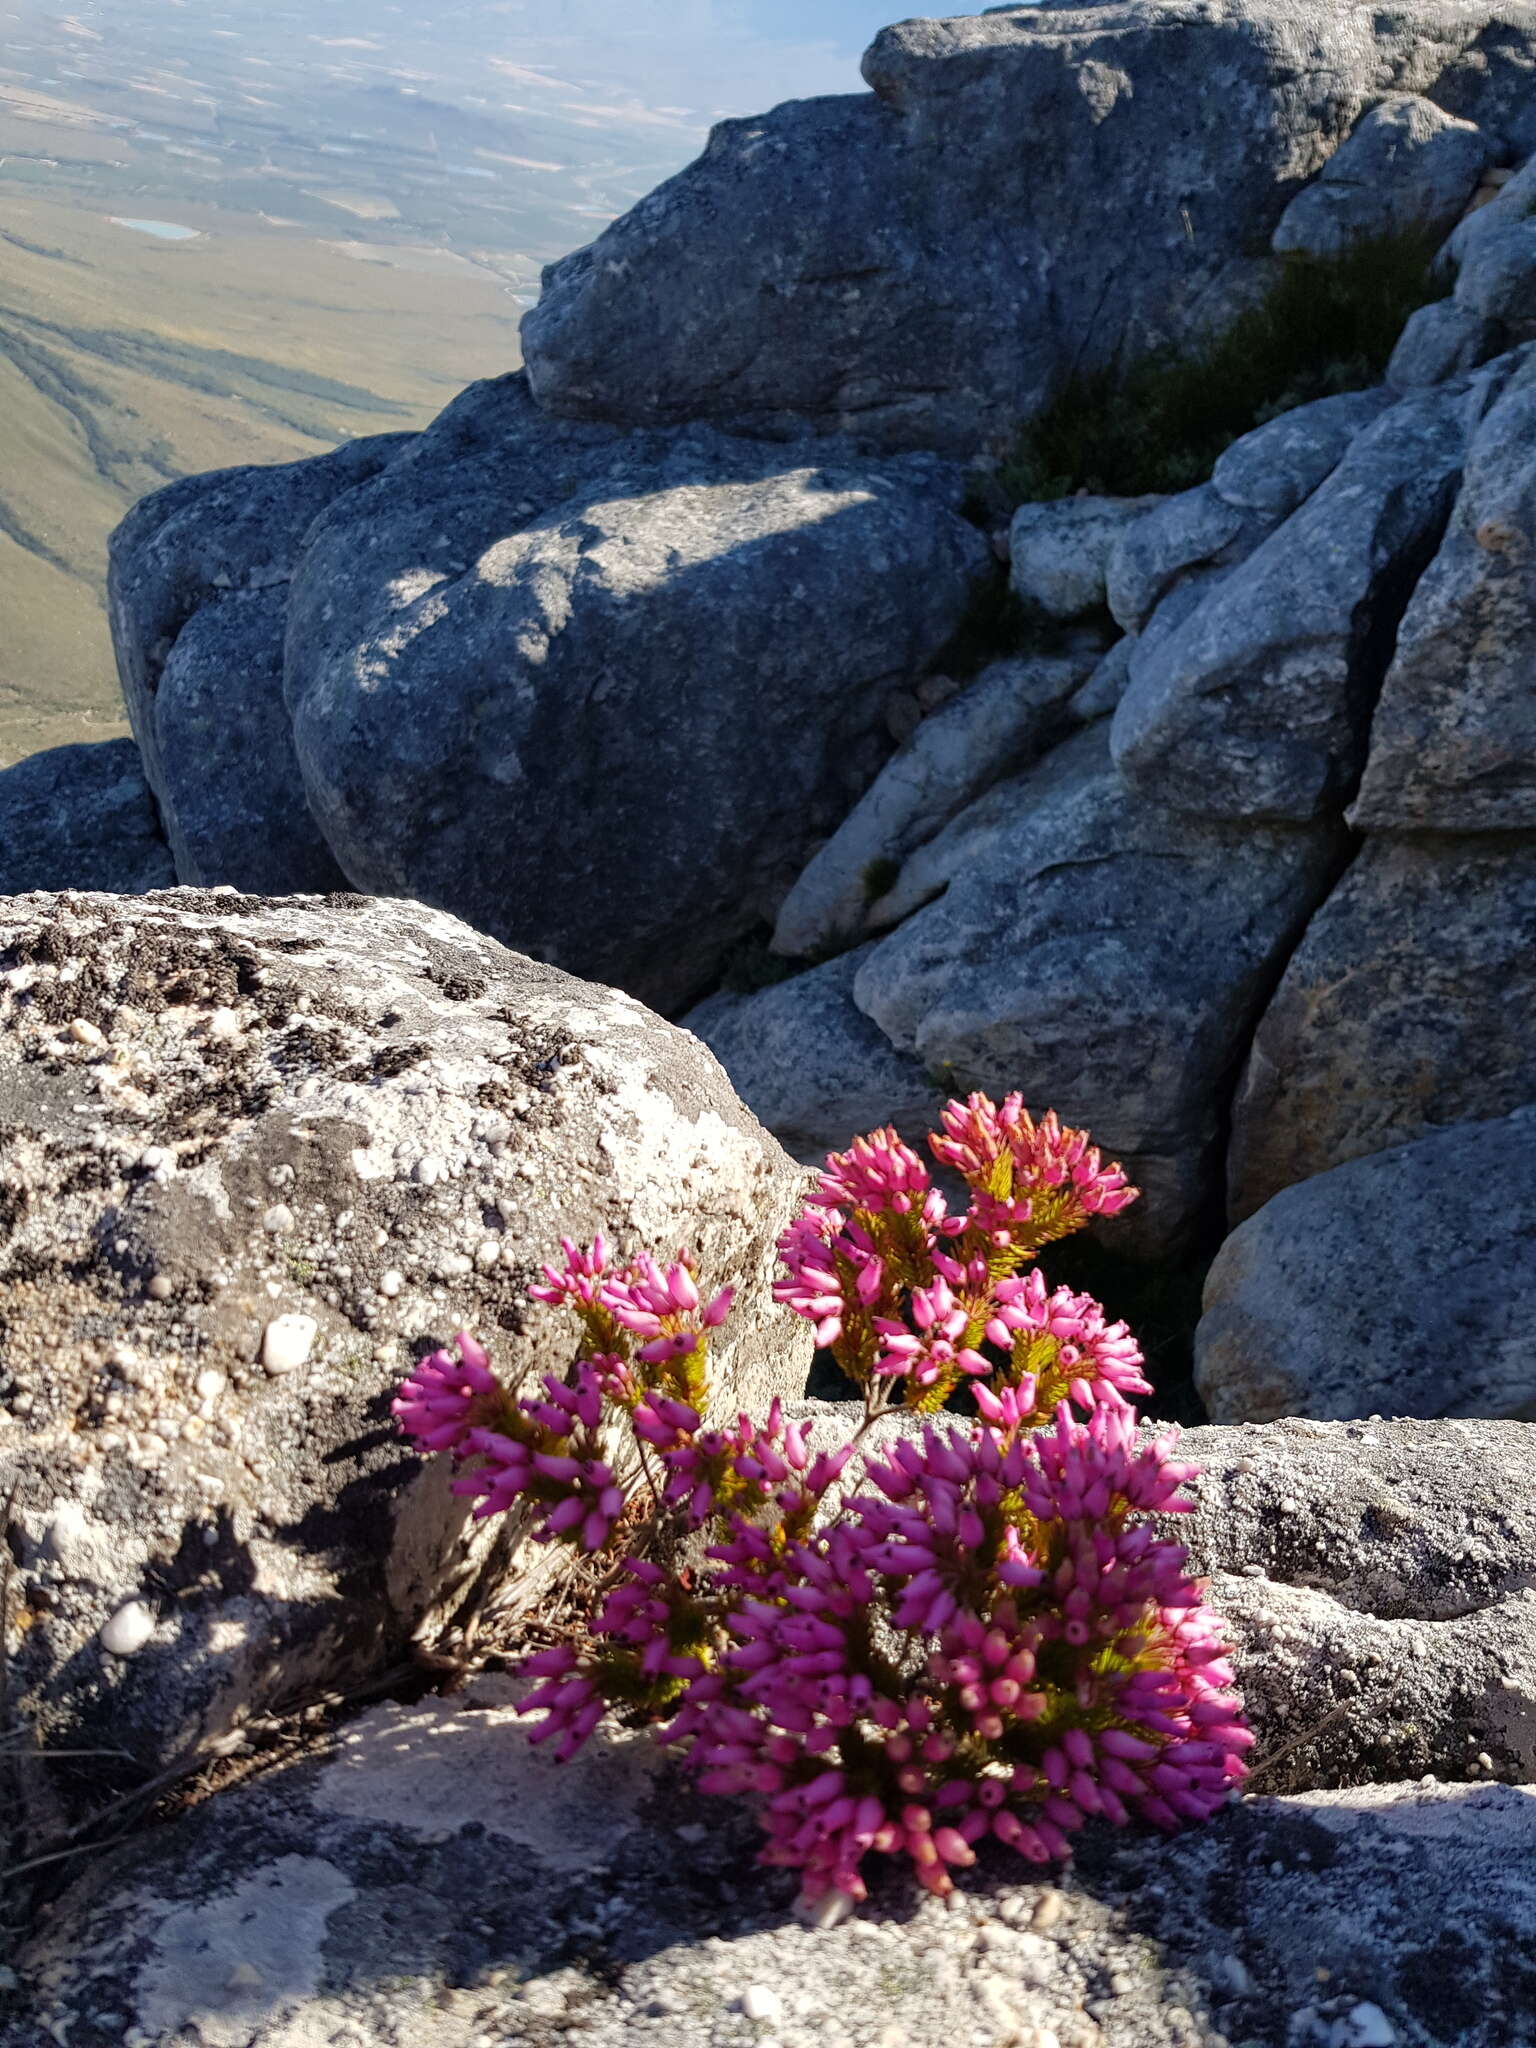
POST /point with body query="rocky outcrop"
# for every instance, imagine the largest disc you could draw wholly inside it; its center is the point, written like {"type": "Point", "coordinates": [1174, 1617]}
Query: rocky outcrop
{"type": "Point", "coordinates": [1109, 953]}
{"type": "Point", "coordinates": [612, 658]}
{"type": "Point", "coordinates": [259, 1156]}
{"type": "Point", "coordinates": [1259, 706]}
{"type": "Point", "coordinates": [197, 582]}
{"type": "Point", "coordinates": [1406, 167]}
{"type": "Point", "coordinates": [608, 1899]}
{"type": "Point", "coordinates": [842, 263]}
{"type": "Point", "coordinates": [1401, 1284]}
{"type": "Point", "coordinates": [1406, 1006]}
{"type": "Point", "coordinates": [1453, 740]}
{"type": "Point", "coordinates": [81, 818]}
{"type": "Point", "coordinates": [1010, 715]}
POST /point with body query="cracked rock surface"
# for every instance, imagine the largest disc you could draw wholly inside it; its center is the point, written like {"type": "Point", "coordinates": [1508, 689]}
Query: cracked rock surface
{"type": "Point", "coordinates": [427, 1881]}
{"type": "Point", "coordinates": [255, 1158]}
{"type": "Point", "coordinates": [1321, 1305]}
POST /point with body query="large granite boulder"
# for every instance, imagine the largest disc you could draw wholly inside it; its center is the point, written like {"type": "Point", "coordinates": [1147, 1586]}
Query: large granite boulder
{"type": "Point", "coordinates": [1408, 167]}
{"type": "Point", "coordinates": [1106, 955]}
{"type": "Point", "coordinates": [843, 262]}
{"type": "Point", "coordinates": [1259, 707]}
{"type": "Point", "coordinates": [1406, 1006]}
{"type": "Point", "coordinates": [81, 818]}
{"type": "Point", "coordinates": [196, 591]}
{"type": "Point", "coordinates": [1403, 1283]}
{"type": "Point", "coordinates": [426, 1877]}
{"type": "Point", "coordinates": [257, 1157]}
{"type": "Point", "coordinates": [1453, 740]}
{"type": "Point", "coordinates": [610, 727]}
{"type": "Point", "coordinates": [601, 693]}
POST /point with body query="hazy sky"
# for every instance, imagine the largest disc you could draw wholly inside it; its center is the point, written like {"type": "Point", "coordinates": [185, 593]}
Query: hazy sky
{"type": "Point", "coordinates": [745, 54]}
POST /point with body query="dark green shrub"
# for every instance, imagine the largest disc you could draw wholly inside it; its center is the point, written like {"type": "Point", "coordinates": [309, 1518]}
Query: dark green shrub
{"type": "Point", "coordinates": [1322, 327]}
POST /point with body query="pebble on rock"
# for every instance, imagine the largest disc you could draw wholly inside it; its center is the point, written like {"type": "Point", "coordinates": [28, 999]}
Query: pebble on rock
{"type": "Point", "coordinates": [288, 1342]}
{"type": "Point", "coordinates": [128, 1630]}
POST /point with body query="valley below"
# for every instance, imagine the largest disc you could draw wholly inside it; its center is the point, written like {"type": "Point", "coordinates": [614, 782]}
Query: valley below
{"type": "Point", "coordinates": [245, 233]}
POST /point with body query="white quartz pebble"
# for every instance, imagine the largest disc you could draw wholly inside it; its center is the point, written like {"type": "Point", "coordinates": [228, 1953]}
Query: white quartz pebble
{"type": "Point", "coordinates": [128, 1630]}
{"type": "Point", "coordinates": [288, 1342]}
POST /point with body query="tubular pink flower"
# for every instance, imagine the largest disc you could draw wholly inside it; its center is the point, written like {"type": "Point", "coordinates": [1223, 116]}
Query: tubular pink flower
{"type": "Point", "coordinates": [572, 1496]}
{"type": "Point", "coordinates": [662, 1307]}
{"type": "Point", "coordinates": [878, 1172]}
{"type": "Point", "coordinates": [579, 1280]}
{"type": "Point", "coordinates": [1092, 1359]}
{"type": "Point", "coordinates": [447, 1397]}
{"type": "Point", "coordinates": [1043, 1177]}
{"type": "Point", "coordinates": [568, 1698]}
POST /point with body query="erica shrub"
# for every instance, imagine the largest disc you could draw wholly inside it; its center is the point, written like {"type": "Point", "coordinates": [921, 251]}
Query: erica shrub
{"type": "Point", "coordinates": [968, 1629]}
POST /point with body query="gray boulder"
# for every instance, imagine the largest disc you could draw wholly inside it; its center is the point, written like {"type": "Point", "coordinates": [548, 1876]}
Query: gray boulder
{"type": "Point", "coordinates": [1489, 214]}
{"type": "Point", "coordinates": [81, 818]}
{"type": "Point", "coordinates": [1441, 341]}
{"type": "Point", "coordinates": [1402, 1284]}
{"type": "Point", "coordinates": [1497, 280]}
{"type": "Point", "coordinates": [1258, 707]}
{"type": "Point", "coordinates": [811, 1066]}
{"type": "Point", "coordinates": [1005, 720]}
{"type": "Point", "coordinates": [1106, 686]}
{"type": "Point", "coordinates": [1276, 468]}
{"type": "Point", "coordinates": [233, 798]}
{"type": "Point", "coordinates": [1453, 740]}
{"type": "Point", "coordinates": [1060, 551]}
{"type": "Point", "coordinates": [1388, 1517]}
{"type": "Point", "coordinates": [1407, 166]}
{"type": "Point", "coordinates": [841, 262]}
{"type": "Point", "coordinates": [602, 694]}
{"type": "Point", "coordinates": [259, 1156]}
{"type": "Point", "coordinates": [225, 757]}
{"type": "Point", "coordinates": [1406, 1006]}
{"type": "Point", "coordinates": [1196, 527]}
{"type": "Point", "coordinates": [1106, 956]}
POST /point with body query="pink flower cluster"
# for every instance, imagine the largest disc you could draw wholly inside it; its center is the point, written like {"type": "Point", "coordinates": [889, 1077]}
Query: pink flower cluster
{"type": "Point", "coordinates": [982, 1634]}
{"type": "Point", "coordinates": [901, 1290]}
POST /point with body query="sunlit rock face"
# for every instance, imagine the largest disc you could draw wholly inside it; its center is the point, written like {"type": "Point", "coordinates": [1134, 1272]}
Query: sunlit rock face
{"type": "Point", "coordinates": [1023, 192]}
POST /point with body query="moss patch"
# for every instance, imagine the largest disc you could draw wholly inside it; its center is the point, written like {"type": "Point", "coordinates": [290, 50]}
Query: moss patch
{"type": "Point", "coordinates": [1323, 327]}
